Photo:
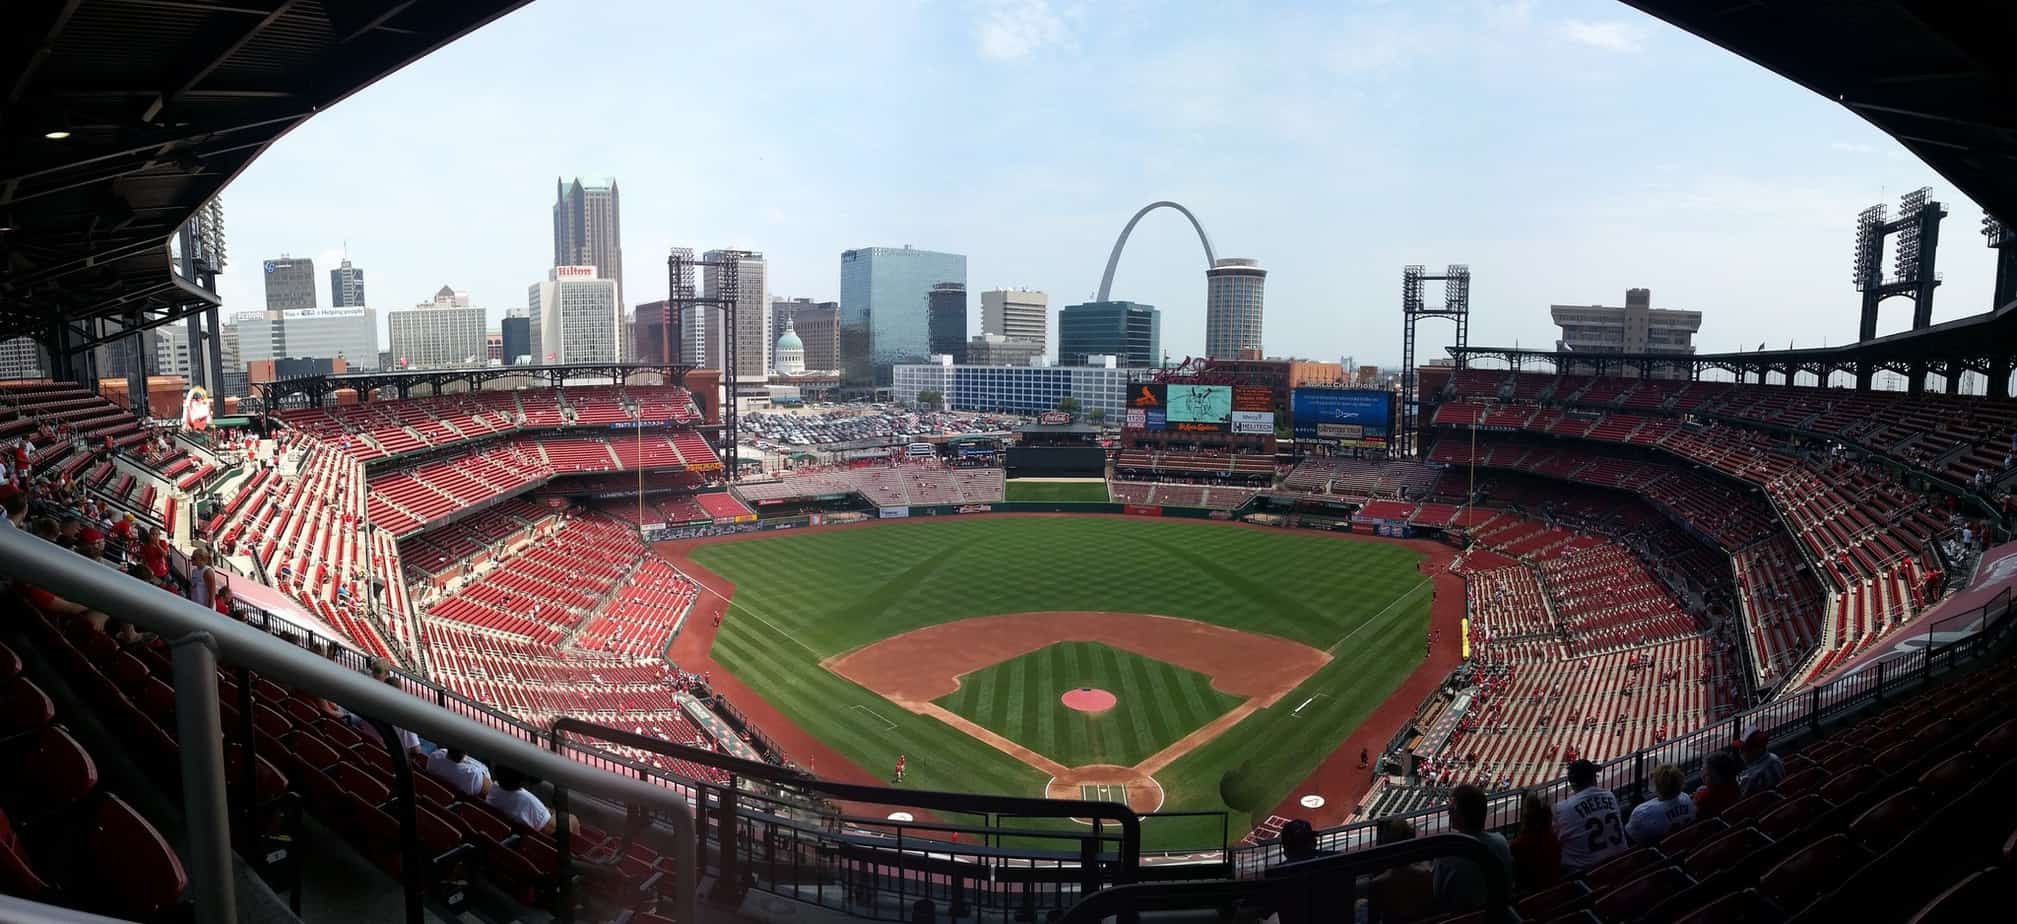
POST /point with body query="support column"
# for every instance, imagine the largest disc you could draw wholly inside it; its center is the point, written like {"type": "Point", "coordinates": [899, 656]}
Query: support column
{"type": "Point", "coordinates": [136, 366]}
{"type": "Point", "coordinates": [1999, 377]}
{"type": "Point", "coordinates": [198, 372]}
{"type": "Point", "coordinates": [1954, 370]}
{"type": "Point", "coordinates": [214, 354]}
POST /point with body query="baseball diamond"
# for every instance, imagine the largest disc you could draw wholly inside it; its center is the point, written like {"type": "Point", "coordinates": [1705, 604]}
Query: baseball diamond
{"type": "Point", "coordinates": [963, 634]}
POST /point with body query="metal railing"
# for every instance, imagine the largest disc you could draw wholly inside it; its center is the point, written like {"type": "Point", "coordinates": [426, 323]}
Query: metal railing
{"type": "Point", "coordinates": [1797, 715]}
{"type": "Point", "coordinates": [201, 638]}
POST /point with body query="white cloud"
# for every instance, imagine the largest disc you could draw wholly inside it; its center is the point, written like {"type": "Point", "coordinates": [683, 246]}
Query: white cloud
{"type": "Point", "coordinates": [1609, 36]}
{"type": "Point", "coordinates": [1012, 29]}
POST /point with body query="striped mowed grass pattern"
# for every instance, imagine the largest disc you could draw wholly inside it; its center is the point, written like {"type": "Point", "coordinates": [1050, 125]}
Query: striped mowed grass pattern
{"type": "Point", "coordinates": [1156, 703]}
{"type": "Point", "coordinates": [804, 596]}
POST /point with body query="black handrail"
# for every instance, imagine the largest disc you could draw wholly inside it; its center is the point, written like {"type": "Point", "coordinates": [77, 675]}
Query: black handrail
{"type": "Point", "coordinates": [1321, 888]}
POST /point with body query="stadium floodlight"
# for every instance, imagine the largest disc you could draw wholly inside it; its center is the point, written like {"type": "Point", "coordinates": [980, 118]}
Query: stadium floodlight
{"type": "Point", "coordinates": [1869, 246]}
{"type": "Point", "coordinates": [1905, 262]}
{"type": "Point", "coordinates": [1993, 230]}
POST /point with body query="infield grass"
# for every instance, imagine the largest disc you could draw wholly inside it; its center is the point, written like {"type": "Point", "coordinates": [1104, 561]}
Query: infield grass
{"type": "Point", "coordinates": [804, 596]}
{"type": "Point", "coordinates": [1155, 704]}
{"type": "Point", "coordinates": [1058, 492]}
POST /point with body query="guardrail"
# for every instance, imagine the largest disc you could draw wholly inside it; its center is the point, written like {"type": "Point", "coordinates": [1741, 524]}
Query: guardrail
{"type": "Point", "coordinates": [1798, 715]}
{"type": "Point", "coordinates": [201, 639]}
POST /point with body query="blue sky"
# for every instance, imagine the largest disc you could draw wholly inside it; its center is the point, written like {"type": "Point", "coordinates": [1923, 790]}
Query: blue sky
{"type": "Point", "coordinates": [1566, 150]}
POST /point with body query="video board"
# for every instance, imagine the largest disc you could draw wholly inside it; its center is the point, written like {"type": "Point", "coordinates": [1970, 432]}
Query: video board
{"type": "Point", "coordinates": [1241, 409]}
{"type": "Point", "coordinates": [1356, 418]}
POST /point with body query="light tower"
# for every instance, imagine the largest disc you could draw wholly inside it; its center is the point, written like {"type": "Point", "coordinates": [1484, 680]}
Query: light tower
{"type": "Point", "coordinates": [1456, 280]}
{"type": "Point", "coordinates": [1918, 231]}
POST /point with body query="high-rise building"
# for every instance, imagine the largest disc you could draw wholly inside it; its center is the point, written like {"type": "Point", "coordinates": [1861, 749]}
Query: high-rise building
{"type": "Point", "coordinates": [346, 286]}
{"type": "Point", "coordinates": [818, 325]}
{"type": "Point", "coordinates": [647, 334]}
{"type": "Point", "coordinates": [997, 350]}
{"type": "Point", "coordinates": [21, 358]}
{"type": "Point", "coordinates": [575, 317]}
{"type": "Point", "coordinates": [1128, 330]}
{"type": "Point", "coordinates": [588, 229]}
{"type": "Point", "coordinates": [515, 336]}
{"type": "Point", "coordinates": [493, 347]}
{"type": "Point", "coordinates": [350, 334]}
{"type": "Point", "coordinates": [945, 320]}
{"type": "Point", "coordinates": [1018, 314]}
{"type": "Point", "coordinates": [1017, 389]}
{"type": "Point", "coordinates": [1233, 295]}
{"type": "Point", "coordinates": [447, 331]}
{"type": "Point", "coordinates": [884, 299]}
{"type": "Point", "coordinates": [752, 314]}
{"type": "Point", "coordinates": [171, 350]}
{"type": "Point", "coordinates": [290, 284]}
{"type": "Point", "coordinates": [234, 367]}
{"type": "Point", "coordinates": [1638, 327]}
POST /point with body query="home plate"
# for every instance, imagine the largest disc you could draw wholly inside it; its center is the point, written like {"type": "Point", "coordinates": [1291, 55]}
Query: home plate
{"type": "Point", "coordinates": [906, 816]}
{"type": "Point", "coordinates": [1312, 801]}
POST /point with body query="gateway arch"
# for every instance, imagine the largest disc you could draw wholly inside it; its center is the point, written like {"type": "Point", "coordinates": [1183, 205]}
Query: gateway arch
{"type": "Point", "coordinates": [1114, 259]}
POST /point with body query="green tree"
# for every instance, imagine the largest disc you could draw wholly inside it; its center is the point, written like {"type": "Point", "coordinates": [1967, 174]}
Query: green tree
{"type": "Point", "coordinates": [931, 398]}
{"type": "Point", "coordinates": [1068, 404]}
{"type": "Point", "coordinates": [1097, 415]}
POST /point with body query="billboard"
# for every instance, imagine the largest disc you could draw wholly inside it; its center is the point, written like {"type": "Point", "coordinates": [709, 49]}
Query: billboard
{"type": "Point", "coordinates": [1146, 395]}
{"type": "Point", "coordinates": [1359, 418]}
{"type": "Point", "coordinates": [1255, 423]}
{"type": "Point", "coordinates": [1204, 408]}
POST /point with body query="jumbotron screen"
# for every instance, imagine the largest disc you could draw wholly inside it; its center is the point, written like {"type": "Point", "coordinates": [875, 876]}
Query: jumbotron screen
{"type": "Point", "coordinates": [1351, 417]}
{"type": "Point", "coordinates": [1243, 409]}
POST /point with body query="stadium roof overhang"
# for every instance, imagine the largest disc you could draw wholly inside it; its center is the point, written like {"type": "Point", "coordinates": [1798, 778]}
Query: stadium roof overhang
{"type": "Point", "coordinates": [433, 381]}
{"type": "Point", "coordinates": [1936, 75]}
{"type": "Point", "coordinates": [119, 118]}
{"type": "Point", "coordinates": [1982, 343]}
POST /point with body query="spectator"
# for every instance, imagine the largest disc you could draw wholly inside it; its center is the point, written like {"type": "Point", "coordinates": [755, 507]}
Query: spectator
{"type": "Point", "coordinates": [923, 911]}
{"type": "Point", "coordinates": [1460, 885]}
{"type": "Point", "coordinates": [509, 796]}
{"type": "Point", "coordinates": [1402, 893]}
{"type": "Point", "coordinates": [1537, 852]}
{"type": "Point", "coordinates": [16, 505]}
{"type": "Point", "coordinates": [1588, 822]}
{"type": "Point", "coordinates": [67, 530]}
{"type": "Point", "coordinates": [1762, 769]}
{"type": "Point", "coordinates": [463, 773]}
{"type": "Point", "coordinates": [204, 577]}
{"type": "Point", "coordinates": [91, 545]}
{"type": "Point", "coordinates": [1299, 841]}
{"type": "Point", "coordinates": [1719, 785]}
{"type": "Point", "coordinates": [1653, 819]}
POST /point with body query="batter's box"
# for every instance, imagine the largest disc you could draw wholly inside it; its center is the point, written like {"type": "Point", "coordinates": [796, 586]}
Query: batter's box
{"type": "Point", "coordinates": [1104, 792]}
{"type": "Point", "coordinates": [876, 715]}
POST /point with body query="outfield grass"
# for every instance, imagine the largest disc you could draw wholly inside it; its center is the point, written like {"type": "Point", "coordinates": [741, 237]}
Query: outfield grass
{"type": "Point", "coordinates": [1058, 492]}
{"type": "Point", "coordinates": [805, 596]}
{"type": "Point", "coordinates": [1155, 703]}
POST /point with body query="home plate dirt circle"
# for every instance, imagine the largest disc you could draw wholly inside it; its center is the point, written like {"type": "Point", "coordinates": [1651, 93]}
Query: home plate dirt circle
{"type": "Point", "coordinates": [1099, 782]}
{"type": "Point", "coordinates": [1088, 699]}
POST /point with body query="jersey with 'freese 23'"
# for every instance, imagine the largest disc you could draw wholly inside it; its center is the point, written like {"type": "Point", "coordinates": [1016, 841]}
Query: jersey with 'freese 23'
{"type": "Point", "coordinates": [1591, 828]}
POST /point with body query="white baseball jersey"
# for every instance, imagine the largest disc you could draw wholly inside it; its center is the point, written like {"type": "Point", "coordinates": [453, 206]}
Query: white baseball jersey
{"type": "Point", "coordinates": [1591, 828]}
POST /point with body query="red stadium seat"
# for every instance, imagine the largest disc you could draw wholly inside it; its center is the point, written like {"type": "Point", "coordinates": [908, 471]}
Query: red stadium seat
{"type": "Point", "coordinates": [1795, 881]}
{"type": "Point", "coordinates": [130, 870]}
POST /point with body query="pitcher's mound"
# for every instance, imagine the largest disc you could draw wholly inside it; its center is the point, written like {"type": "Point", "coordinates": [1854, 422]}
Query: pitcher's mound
{"type": "Point", "coordinates": [1088, 699]}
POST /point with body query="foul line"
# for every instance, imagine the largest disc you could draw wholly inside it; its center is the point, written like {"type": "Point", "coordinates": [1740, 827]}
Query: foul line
{"type": "Point", "coordinates": [730, 603]}
{"type": "Point", "coordinates": [878, 715]}
{"type": "Point", "coordinates": [1377, 616]}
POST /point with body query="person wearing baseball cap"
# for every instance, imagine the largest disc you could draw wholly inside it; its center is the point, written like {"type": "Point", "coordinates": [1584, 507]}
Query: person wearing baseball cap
{"type": "Point", "coordinates": [1762, 769]}
{"type": "Point", "coordinates": [1589, 821]}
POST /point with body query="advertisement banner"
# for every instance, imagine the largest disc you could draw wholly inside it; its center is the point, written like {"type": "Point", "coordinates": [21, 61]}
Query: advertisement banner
{"type": "Point", "coordinates": [1141, 510]}
{"type": "Point", "coordinates": [1253, 398]}
{"type": "Point", "coordinates": [976, 508]}
{"type": "Point", "coordinates": [1146, 395]}
{"type": "Point", "coordinates": [1259, 423]}
{"type": "Point", "coordinates": [1154, 419]}
{"type": "Point", "coordinates": [1350, 417]}
{"type": "Point", "coordinates": [1136, 419]}
{"type": "Point", "coordinates": [892, 513]}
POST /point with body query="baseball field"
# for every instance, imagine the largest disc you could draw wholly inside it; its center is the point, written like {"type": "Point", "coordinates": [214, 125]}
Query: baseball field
{"type": "Point", "coordinates": [1046, 490]}
{"type": "Point", "coordinates": [1227, 661]}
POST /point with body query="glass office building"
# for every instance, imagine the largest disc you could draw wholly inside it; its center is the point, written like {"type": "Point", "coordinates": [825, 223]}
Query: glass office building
{"type": "Point", "coordinates": [1016, 389]}
{"type": "Point", "coordinates": [1129, 330]}
{"type": "Point", "coordinates": [885, 308]}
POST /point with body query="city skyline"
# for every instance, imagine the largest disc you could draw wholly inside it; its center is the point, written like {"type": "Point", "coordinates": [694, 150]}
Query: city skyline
{"type": "Point", "coordinates": [1592, 149]}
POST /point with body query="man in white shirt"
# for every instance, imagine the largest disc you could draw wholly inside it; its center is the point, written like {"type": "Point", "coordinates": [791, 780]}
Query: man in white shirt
{"type": "Point", "coordinates": [1655, 818]}
{"type": "Point", "coordinates": [509, 796]}
{"type": "Point", "coordinates": [1589, 822]}
{"type": "Point", "coordinates": [463, 773]}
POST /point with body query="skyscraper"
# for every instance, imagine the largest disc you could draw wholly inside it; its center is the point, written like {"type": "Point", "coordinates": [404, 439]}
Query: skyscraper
{"type": "Point", "coordinates": [21, 358]}
{"type": "Point", "coordinates": [575, 317]}
{"type": "Point", "coordinates": [818, 327]}
{"type": "Point", "coordinates": [1234, 287]}
{"type": "Point", "coordinates": [753, 342]}
{"type": "Point", "coordinates": [647, 334]}
{"type": "Point", "coordinates": [1018, 314]}
{"type": "Point", "coordinates": [447, 331]}
{"type": "Point", "coordinates": [946, 319]}
{"type": "Point", "coordinates": [290, 284]}
{"type": "Point", "coordinates": [515, 336]}
{"type": "Point", "coordinates": [1638, 327]}
{"type": "Point", "coordinates": [588, 229]}
{"type": "Point", "coordinates": [346, 286]}
{"type": "Point", "coordinates": [884, 303]}
{"type": "Point", "coordinates": [1127, 330]}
